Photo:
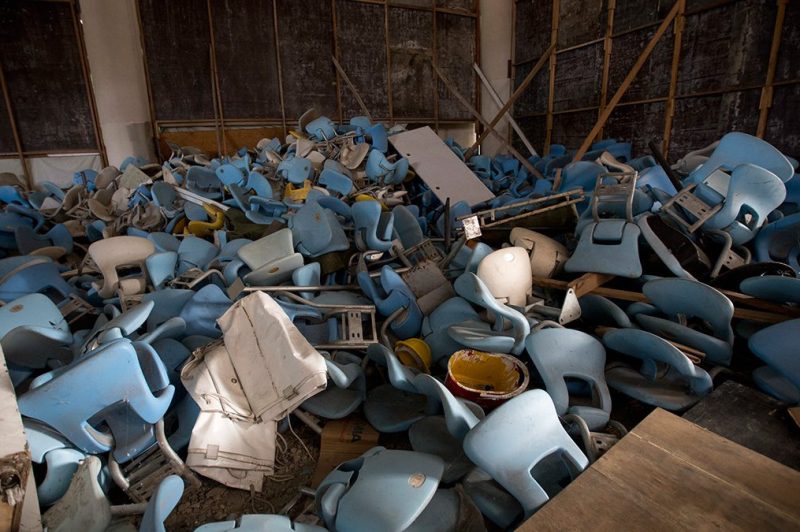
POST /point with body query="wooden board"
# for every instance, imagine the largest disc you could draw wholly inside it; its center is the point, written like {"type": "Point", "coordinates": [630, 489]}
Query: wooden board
{"type": "Point", "coordinates": [669, 474]}
{"type": "Point", "coordinates": [342, 440]}
{"type": "Point", "coordinates": [42, 65]}
{"type": "Point", "coordinates": [750, 418]}
{"type": "Point", "coordinates": [439, 167]}
{"type": "Point", "coordinates": [176, 39]}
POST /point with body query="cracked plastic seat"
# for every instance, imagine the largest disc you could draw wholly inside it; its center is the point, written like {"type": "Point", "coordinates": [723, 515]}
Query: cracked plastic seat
{"type": "Point", "coordinates": [777, 346]}
{"type": "Point", "coordinates": [561, 354]}
{"type": "Point", "coordinates": [296, 170]}
{"type": "Point", "coordinates": [508, 332]}
{"type": "Point", "coordinates": [666, 377]}
{"type": "Point", "coordinates": [435, 327]}
{"type": "Point", "coordinates": [61, 399]}
{"type": "Point", "coordinates": [336, 177]}
{"type": "Point", "coordinates": [203, 181]}
{"type": "Point", "coordinates": [547, 256]}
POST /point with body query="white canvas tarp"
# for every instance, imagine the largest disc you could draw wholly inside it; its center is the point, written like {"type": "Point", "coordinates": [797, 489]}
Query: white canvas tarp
{"type": "Point", "coordinates": [263, 369]}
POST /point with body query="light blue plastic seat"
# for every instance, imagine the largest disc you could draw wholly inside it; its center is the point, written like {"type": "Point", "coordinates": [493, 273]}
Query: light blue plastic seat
{"type": "Point", "coordinates": [777, 346]}
{"type": "Point", "coordinates": [395, 406]}
{"type": "Point", "coordinates": [749, 196]}
{"type": "Point", "coordinates": [407, 227]}
{"type": "Point", "coordinates": [347, 388]}
{"type": "Point", "coordinates": [296, 170]}
{"type": "Point", "coordinates": [203, 309]}
{"type": "Point", "coordinates": [161, 267]}
{"type": "Point", "coordinates": [195, 252]}
{"type": "Point", "coordinates": [317, 231]}
{"type": "Point", "coordinates": [203, 181]}
{"type": "Point", "coordinates": [435, 327]}
{"type": "Point", "coordinates": [508, 332]}
{"type": "Point", "coordinates": [607, 246]}
{"type": "Point", "coordinates": [675, 299]}
{"type": "Point", "coordinates": [773, 288]}
{"type": "Point", "coordinates": [666, 377]}
{"type": "Point", "coordinates": [230, 174]}
{"type": "Point", "coordinates": [442, 431]}
{"type": "Point", "coordinates": [259, 523]}
{"type": "Point", "coordinates": [271, 259]}
{"type": "Point", "coordinates": [380, 170]}
{"type": "Point", "coordinates": [62, 400]}
{"type": "Point", "coordinates": [165, 196]}
{"type": "Point", "coordinates": [163, 500]}
{"type": "Point", "coordinates": [655, 177]}
{"type": "Point", "coordinates": [561, 354]}
{"type": "Point", "coordinates": [738, 148]}
{"type": "Point", "coordinates": [51, 450]}
{"type": "Point", "coordinates": [457, 210]}
{"type": "Point", "coordinates": [195, 212]}
{"type": "Point", "coordinates": [373, 227]}
{"type": "Point", "coordinates": [33, 333]}
{"type": "Point", "coordinates": [321, 128]}
{"type": "Point", "coordinates": [777, 241]}
{"type": "Point", "coordinates": [167, 303]}
{"type": "Point", "coordinates": [512, 442]}
{"type": "Point", "coordinates": [20, 276]}
{"type": "Point", "coordinates": [336, 177]}
{"type": "Point", "coordinates": [393, 295]}
{"type": "Point", "coordinates": [29, 241]}
{"type": "Point", "coordinates": [355, 496]}
{"type": "Point", "coordinates": [599, 310]}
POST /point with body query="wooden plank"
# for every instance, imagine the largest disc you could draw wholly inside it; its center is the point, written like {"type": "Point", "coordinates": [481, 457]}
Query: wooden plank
{"type": "Point", "coordinates": [439, 167]}
{"type": "Point", "coordinates": [744, 470]}
{"type": "Point", "coordinates": [588, 282]}
{"type": "Point", "coordinates": [352, 88]}
{"type": "Point", "coordinates": [669, 474]}
{"type": "Point", "coordinates": [627, 295]}
{"type": "Point", "coordinates": [750, 418]}
{"type": "Point", "coordinates": [680, 21]}
{"type": "Point", "coordinates": [506, 143]}
{"type": "Point", "coordinates": [766, 93]}
{"type": "Point", "coordinates": [551, 83]}
{"type": "Point", "coordinates": [517, 92]}
{"type": "Point", "coordinates": [607, 45]}
{"type": "Point", "coordinates": [627, 82]}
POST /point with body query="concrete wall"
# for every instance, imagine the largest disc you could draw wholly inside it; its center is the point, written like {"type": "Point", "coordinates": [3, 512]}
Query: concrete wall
{"type": "Point", "coordinates": [496, 42]}
{"type": "Point", "coordinates": [114, 51]}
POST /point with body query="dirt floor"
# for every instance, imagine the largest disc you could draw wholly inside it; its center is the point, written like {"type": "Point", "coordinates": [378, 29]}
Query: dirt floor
{"type": "Point", "coordinates": [215, 502]}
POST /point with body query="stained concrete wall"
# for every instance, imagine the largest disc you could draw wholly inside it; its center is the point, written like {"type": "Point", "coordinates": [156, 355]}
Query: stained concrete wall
{"type": "Point", "coordinates": [114, 51]}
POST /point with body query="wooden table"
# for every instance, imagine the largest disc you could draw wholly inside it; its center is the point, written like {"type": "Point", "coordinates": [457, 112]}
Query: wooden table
{"type": "Point", "coordinates": [670, 474]}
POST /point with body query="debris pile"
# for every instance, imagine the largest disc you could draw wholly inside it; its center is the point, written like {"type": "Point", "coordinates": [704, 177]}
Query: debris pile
{"type": "Point", "coordinates": [166, 321]}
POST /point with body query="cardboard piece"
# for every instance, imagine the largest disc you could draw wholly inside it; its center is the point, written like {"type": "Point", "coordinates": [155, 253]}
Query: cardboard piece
{"type": "Point", "coordinates": [342, 440]}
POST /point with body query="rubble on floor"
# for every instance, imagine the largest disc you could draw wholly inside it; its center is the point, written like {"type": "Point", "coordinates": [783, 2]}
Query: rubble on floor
{"type": "Point", "coordinates": [353, 319]}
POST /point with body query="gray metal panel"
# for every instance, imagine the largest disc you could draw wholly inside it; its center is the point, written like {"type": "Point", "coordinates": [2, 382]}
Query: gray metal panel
{"type": "Point", "coordinates": [439, 167]}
